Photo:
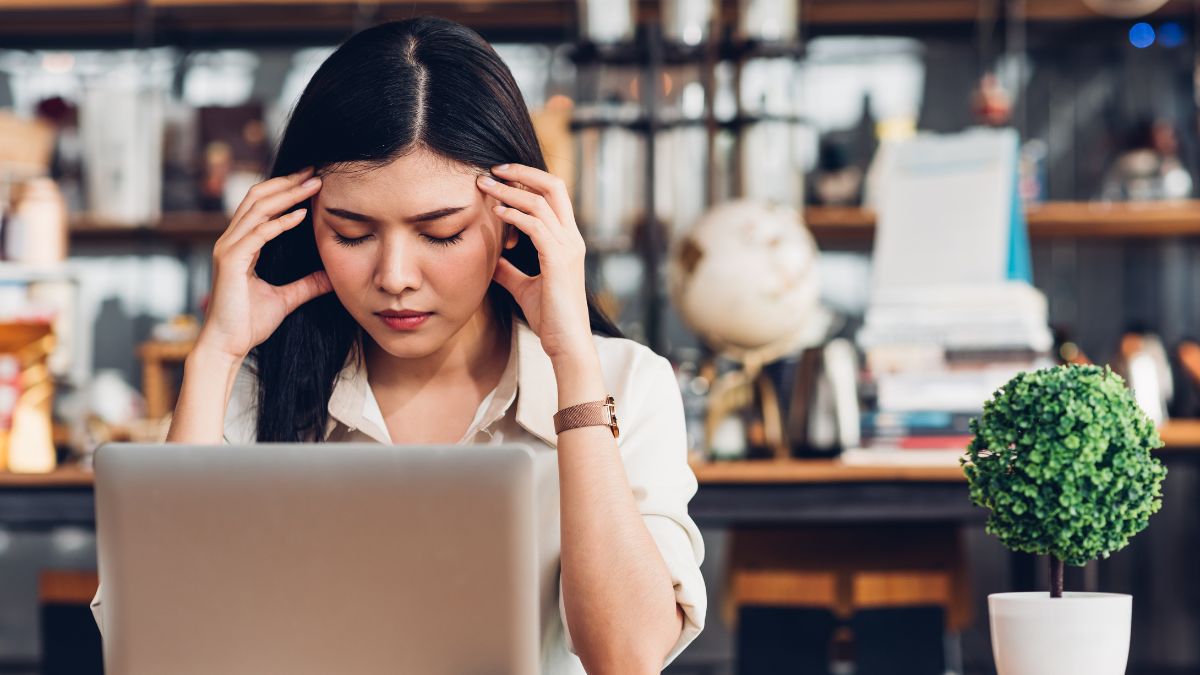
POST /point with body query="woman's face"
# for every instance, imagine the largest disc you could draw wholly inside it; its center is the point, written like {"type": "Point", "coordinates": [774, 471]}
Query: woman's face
{"type": "Point", "coordinates": [414, 235]}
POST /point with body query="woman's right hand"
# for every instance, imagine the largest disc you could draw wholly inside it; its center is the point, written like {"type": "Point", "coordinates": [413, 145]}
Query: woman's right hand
{"type": "Point", "coordinates": [243, 309]}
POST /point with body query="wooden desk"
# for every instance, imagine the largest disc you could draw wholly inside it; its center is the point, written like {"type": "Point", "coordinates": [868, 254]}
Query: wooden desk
{"type": "Point", "coordinates": [819, 471]}
{"type": "Point", "coordinates": [799, 491]}
{"type": "Point", "coordinates": [730, 493]}
{"type": "Point", "coordinates": [1180, 436]}
{"type": "Point", "coordinates": [816, 491]}
{"type": "Point", "coordinates": [768, 492]}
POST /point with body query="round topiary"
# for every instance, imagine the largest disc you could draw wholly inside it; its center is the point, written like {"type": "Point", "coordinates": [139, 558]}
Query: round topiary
{"type": "Point", "coordinates": [1061, 457]}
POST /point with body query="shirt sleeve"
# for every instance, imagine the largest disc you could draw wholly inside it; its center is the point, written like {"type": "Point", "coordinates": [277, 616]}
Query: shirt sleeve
{"type": "Point", "coordinates": [654, 449]}
{"type": "Point", "coordinates": [241, 426]}
{"type": "Point", "coordinates": [241, 415]}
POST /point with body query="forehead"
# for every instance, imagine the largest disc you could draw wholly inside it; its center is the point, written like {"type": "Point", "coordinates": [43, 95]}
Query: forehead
{"type": "Point", "coordinates": [419, 181]}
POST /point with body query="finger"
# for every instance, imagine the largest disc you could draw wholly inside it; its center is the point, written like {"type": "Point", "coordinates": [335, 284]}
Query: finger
{"type": "Point", "coordinates": [272, 206]}
{"type": "Point", "coordinates": [553, 188]}
{"type": "Point", "coordinates": [269, 187]}
{"type": "Point", "coordinates": [531, 203]}
{"type": "Point", "coordinates": [304, 289]}
{"type": "Point", "coordinates": [526, 223]}
{"type": "Point", "coordinates": [511, 278]}
{"type": "Point", "coordinates": [255, 194]}
{"type": "Point", "coordinates": [254, 239]}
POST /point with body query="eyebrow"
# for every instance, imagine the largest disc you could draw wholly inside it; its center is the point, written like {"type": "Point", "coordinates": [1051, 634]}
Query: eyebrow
{"type": "Point", "coordinates": [426, 217]}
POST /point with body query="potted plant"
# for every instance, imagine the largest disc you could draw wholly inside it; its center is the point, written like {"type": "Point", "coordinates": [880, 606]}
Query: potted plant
{"type": "Point", "coordinates": [1062, 458]}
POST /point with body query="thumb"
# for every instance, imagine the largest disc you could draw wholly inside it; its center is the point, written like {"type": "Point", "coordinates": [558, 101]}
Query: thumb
{"type": "Point", "coordinates": [511, 278]}
{"type": "Point", "coordinates": [302, 290]}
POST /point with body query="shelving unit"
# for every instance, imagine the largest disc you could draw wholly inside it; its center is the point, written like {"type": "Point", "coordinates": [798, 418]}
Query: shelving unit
{"type": "Point", "coordinates": [203, 24]}
{"type": "Point", "coordinates": [648, 55]}
{"type": "Point", "coordinates": [652, 54]}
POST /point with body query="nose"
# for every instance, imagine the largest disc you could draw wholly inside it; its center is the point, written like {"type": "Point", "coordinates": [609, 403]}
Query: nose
{"type": "Point", "coordinates": [397, 269]}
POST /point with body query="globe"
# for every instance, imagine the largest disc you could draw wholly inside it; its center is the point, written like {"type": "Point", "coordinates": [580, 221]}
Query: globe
{"type": "Point", "coordinates": [744, 278]}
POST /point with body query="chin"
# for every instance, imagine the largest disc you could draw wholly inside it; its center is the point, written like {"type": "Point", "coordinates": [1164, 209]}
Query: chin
{"type": "Point", "coordinates": [417, 344]}
{"type": "Point", "coordinates": [404, 347]}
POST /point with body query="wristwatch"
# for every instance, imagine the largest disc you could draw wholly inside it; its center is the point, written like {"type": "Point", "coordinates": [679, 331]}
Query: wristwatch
{"type": "Point", "coordinates": [590, 414]}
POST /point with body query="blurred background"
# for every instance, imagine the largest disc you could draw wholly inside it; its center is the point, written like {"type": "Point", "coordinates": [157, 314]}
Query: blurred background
{"type": "Point", "coordinates": [845, 222]}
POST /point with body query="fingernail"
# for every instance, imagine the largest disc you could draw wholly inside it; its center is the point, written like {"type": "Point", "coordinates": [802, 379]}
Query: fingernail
{"type": "Point", "coordinates": [303, 171]}
{"type": "Point", "coordinates": [501, 167]}
{"type": "Point", "coordinates": [487, 180]}
{"type": "Point", "coordinates": [311, 182]}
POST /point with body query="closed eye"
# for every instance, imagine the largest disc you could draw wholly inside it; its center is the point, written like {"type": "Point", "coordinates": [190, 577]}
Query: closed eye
{"type": "Point", "coordinates": [436, 241]}
{"type": "Point", "coordinates": [348, 242]}
{"type": "Point", "coordinates": [445, 241]}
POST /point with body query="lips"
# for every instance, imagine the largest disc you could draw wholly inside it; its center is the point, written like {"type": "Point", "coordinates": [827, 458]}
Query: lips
{"type": "Point", "coordinates": [405, 314]}
{"type": "Point", "coordinates": [403, 320]}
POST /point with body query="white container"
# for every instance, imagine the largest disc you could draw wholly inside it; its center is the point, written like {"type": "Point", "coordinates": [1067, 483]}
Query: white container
{"type": "Point", "coordinates": [37, 230]}
{"type": "Point", "coordinates": [687, 22]}
{"type": "Point", "coordinates": [607, 21]}
{"type": "Point", "coordinates": [1077, 634]}
{"type": "Point", "coordinates": [122, 118]}
{"type": "Point", "coordinates": [768, 20]}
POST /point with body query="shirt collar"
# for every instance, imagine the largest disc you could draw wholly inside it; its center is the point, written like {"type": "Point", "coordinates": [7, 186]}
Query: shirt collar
{"type": "Point", "coordinates": [537, 388]}
{"type": "Point", "coordinates": [536, 396]}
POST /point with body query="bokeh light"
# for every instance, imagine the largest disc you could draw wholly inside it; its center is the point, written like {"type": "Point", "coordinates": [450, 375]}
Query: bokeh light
{"type": "Point", "coordinates": [1170, 34]}
{"type": "Point", "coordinates": [1141, 35]}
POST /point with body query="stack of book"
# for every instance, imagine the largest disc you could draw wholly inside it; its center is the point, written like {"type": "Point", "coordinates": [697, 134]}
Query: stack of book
{"type": "Point", "coordinates": [933, 356]}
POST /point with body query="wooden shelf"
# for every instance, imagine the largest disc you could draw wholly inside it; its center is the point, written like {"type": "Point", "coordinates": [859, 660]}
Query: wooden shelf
{"type": "Point", "coordinates": [113, 23]}
{"type": "Point", "coordinates": [1050, 220]}
{"type": "Point", "coordinates": [828, 12]}
{"type": "Point", "coordinates": [1115, 219]}
{"type": "Point", "coordinates": [840, 225]}
{"type": "Point", "coordinates": [829, 224]}
{"type": "Point", "coordinates": [173, 227]}
{"type": "Point", "coordinates": [64, 476]}
{"type": "Point", "coordinates": [818, 471]}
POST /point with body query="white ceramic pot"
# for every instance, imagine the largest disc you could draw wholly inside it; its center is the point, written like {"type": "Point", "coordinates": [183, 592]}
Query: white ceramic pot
{"type": "Point", "coordinates": [1077, 634]}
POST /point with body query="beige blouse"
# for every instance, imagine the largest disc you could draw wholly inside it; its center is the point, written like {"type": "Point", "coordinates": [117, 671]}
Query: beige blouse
{"type": "Point", "coordinates": [653, 447]}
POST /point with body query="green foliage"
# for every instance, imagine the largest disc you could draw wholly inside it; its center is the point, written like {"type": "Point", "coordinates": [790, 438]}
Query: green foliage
{"type": "Point", "coordinates": [1061, 457]}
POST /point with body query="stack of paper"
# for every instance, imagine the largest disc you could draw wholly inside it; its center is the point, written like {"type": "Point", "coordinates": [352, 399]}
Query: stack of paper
{"type": "Point", "coordinates": [952, 315]}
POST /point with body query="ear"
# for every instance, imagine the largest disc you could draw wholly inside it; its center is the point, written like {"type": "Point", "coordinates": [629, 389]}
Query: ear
{"type": "Point", "coordinates": [511, 235]}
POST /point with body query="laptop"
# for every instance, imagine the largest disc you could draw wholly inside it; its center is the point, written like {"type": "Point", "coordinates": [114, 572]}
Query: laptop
{"type": "Point", "coordinates": [317, 558]}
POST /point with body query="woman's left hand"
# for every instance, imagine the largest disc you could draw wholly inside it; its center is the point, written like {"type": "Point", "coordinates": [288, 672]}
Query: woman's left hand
{"type": "Point", "coordinates": [554, 301]}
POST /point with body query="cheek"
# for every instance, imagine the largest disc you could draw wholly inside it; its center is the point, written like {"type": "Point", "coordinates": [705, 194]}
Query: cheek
{"type": "Point", "coordinates": [346, 267]}
{"type": "Point", "coordinates": [464, 270]}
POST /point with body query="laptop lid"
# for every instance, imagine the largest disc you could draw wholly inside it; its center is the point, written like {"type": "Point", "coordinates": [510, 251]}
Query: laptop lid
{"type": "Point", "coordinates": [317, 558]}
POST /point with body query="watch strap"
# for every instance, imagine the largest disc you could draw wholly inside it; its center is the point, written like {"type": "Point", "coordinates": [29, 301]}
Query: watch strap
{"type": "Point", "coordinates": [590, 414]}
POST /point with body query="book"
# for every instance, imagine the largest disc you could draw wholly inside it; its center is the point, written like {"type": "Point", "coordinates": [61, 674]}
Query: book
{"type": "Point", "coordinates": [867, 456]}
{"type": "Point", "coordinates": [892, 424]}
{"type": "Point", "coordinates": [952, 391]}
{"type": "Point", "coordinates": [956, 442]}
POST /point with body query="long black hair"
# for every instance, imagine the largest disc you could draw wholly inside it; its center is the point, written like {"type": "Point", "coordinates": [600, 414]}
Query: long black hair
{"type": "Point", "coordinates": [423, 83]}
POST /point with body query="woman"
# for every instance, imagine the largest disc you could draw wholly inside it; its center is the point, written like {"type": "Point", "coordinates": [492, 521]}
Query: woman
{"type": "Point", "coordinates": [414, 298]}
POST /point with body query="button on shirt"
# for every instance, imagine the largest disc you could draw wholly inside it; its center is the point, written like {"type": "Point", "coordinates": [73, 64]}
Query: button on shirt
{"type": "Point", "coordinates": [652, 444]}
